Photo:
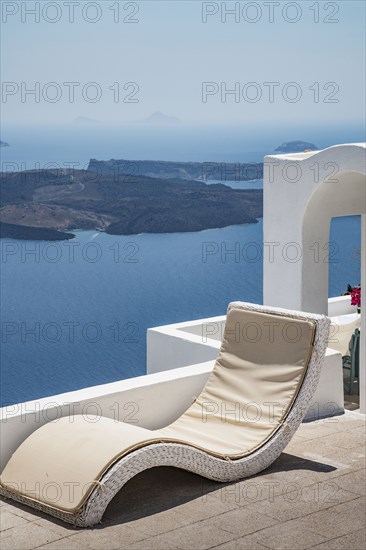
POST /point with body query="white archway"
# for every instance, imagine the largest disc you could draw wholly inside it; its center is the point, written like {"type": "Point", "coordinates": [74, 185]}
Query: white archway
{"type": "Point", "coordinates": [343, 197]}
{"type": "Point", "coordinates": [302, 192]}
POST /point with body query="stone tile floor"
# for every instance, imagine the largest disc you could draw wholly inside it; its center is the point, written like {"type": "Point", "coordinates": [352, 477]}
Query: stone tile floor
{"type": "Point", "coordinates": [313, 496]}
{"type": "Point", "coordinates": [352, 402]}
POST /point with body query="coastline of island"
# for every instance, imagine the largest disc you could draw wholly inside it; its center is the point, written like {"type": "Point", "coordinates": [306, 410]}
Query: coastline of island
{"type": "Point", "coordinates": [50, 204]}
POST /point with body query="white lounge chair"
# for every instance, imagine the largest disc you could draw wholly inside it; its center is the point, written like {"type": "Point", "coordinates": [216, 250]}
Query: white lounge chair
{"type": "Point", "coordinates": [253, 402]}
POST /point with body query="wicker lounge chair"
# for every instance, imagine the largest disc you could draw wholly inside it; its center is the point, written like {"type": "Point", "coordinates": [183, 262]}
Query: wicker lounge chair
{"type": "Point", "coordinates": [257, 395]}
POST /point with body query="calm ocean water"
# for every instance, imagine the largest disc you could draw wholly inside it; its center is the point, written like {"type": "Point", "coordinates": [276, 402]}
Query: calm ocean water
{"type": "Point", "coordinates": [75, 314]}
{"type": "Point", "coordinates": [75, 143]}
{"type": "Point", "coordinates": [78, 144]}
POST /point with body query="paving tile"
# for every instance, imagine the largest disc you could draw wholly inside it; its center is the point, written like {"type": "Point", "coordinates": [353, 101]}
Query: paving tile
{"type": "Point", "coordinates": [291, 535]}
{"type": "Point", "coordinates": [356, 509]}
{"type": "Point", "coordinates": [252, 490]}
{"type": "Point", "coordinates": [26, 512]}
{"type": "Point", "coordinates": [63, 544]}
{"type": "Point", "coordinates": [107, 538]}
{"type": "Point", "coordinates": [200, 536]}
{"type": "Point", "coordinates": [204, 508]}
{"type": "Point", "coordinates": [9, 520]}
{"type": "Point", "coordinates": [345, 440]}
{"type": "Point", "coordinates": [249, 542]}
{"type": "Point", "coordinates": [302, 470]}
{"type": "Point", "coordinates": [242, 521]}
{"type": "Point", "coordinates": [28, 536]}
{"type": "Point", "coordinates": [168, 520]}
{"type": "Point", "coordinates": [346, 421]}
{"type": "Point", "coordinates": [239, 494]}
{"type": "Point", "coordinates": [60, 528]}
{"type": "Point", "coordinates": [43, 520]}
{"type": "Point", "coordinates": [352, 541]}
{"type": "Point", "coordinates": [159, 542]}
{"type": "Point", "coordinates": [320, 428]}
{"type": "Point", "coordinates": [355, 482]}
{"type": "Point", "coordinates": [360, 429]}
{"type": "Point", "coordinates": [319, 451]}
{"type": "Point", "coordinates": [326, 426]}
{"type": "Point", "coordinates": [331, 524]}
{"type": "Point", "coordinates": [303, 501]}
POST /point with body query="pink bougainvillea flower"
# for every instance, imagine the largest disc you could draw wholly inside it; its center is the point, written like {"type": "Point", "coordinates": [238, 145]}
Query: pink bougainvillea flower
{"type": "Point", "coordinates": [356, 297]}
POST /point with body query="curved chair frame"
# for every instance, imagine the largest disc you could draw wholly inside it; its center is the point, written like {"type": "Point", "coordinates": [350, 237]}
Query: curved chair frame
{"type": "Point", "coordinates": [192, 459]}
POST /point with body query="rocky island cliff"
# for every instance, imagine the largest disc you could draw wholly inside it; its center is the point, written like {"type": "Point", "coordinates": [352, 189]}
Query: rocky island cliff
{"type": "Point", "coordinates": [49, 204]}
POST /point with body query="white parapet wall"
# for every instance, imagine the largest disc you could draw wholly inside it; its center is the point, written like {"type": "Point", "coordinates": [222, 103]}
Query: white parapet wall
{"type": "Point", "coordinates": [340, 305]}
{"type": "Point", "coordinates": [181, 344]}
{"type": "Point", "coordinates": [149, 401]}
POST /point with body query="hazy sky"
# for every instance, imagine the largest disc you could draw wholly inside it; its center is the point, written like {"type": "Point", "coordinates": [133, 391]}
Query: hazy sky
{"type": "Point", "coordinates": [172, 49]}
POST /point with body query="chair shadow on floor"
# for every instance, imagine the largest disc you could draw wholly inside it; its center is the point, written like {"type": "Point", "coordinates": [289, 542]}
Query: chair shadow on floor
{"type": "Point", "coordinates": [165, 488]}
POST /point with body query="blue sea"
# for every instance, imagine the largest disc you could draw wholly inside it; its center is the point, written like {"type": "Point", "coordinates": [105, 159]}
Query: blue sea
{"type": "Point", "coordinates": [75, 313]}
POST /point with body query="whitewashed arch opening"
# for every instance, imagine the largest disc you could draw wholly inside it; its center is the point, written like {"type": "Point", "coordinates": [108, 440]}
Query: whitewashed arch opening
{"type": "Point", "coordinates": [344, 195]}
{"type": "Point", "coordinates": [302, 193]}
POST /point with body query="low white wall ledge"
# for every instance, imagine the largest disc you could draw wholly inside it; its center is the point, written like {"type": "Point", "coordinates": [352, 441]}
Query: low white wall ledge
{"type": "Point", "coordinates": [181, 344]}
{"type": "Point", "coordinates": [150, 401]}
{"type": "Point", "coordinates": [340, 305]}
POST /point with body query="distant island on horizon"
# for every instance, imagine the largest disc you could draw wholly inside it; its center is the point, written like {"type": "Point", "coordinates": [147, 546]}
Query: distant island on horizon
{"type": "Point", "coordinates": [49, 204]}
{"type": "Point", "coordinates": [157, 118]}
{"type": "Point", "coordinates": [166, 169]}
{"type": "Point", "coordinates": [296, 147]}
{"type": "Point", "coordinates": [4, 144]}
